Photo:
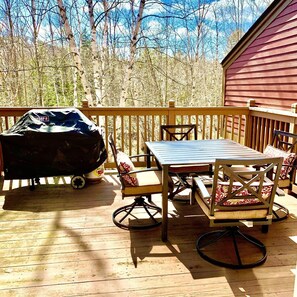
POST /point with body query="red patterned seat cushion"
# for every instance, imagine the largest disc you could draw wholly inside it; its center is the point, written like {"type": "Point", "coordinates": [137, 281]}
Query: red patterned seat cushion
{"type": "Point", "coordinates": [289, 159]}
{"type": "Point", "coordinates": [222, 192]}
{"type": "Point", "coordinates": [126, 166]}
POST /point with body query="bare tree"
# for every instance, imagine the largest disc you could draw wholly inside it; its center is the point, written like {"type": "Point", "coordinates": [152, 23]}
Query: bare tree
{"type": "Point", "coordinates": [36, 22]}
{"type": "Point", "coordinates": [133, 47]}
{"type": "Point", "coordinates": [99, 69]}
{"type": "Point", "coordinates": [10, 81]}
{"type": "Point", "coordinates": [75, 52]}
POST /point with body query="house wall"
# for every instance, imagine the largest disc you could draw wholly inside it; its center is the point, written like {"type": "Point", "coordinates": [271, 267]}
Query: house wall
{"type": "Point", "coordinates": [267, 69]}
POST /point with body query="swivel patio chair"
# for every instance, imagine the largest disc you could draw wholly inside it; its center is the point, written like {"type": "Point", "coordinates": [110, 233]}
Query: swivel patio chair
{"type": "Point", "coordinates": [140, 184]}
{"type": "Point", "coordinates": [183, 173]}
{"type": "Point", "coordinates": [283, 145]}
{"type": "Point", "coordinates": [240, 198]}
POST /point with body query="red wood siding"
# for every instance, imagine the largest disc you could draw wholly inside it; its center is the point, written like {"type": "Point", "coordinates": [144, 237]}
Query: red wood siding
{"type": "Point", "coordinates": [267, 69]}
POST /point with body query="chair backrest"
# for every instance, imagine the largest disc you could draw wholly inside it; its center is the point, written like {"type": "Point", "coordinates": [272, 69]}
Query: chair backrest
{"type": "Point", "coordinates": [114, 151]}
{"type": "Point", "coordinates": [178, 132]}
{"type": "Point", "coordinates": [284, 144]}
{"type": "Point", "coordinates": [284, 141]}
{"type": "Point", "coordinates": [235, 188]}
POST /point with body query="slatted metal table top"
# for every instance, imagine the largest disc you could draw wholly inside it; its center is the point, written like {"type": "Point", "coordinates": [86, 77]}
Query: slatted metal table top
{"type": "Point", "coordinates": [199, 151]}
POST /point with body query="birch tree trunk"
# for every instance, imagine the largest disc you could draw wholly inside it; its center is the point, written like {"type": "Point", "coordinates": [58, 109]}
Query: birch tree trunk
{"type": "Point", "coordinates": [104, 56]}
{"type": "Point", "coordinates": [36, 53]}
{"type": "Point", "coordinates": [75, 52]}
{"type": "Point", "coordinates": [56, 71]}
{"type": "Point", "coordinates": [95, 55]}
{"type": "Point", "coordinates": [133, 47]}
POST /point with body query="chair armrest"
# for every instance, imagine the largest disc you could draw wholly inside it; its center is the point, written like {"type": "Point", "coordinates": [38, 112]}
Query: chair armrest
{"type": "Point", "coordinates": [138, 171]}
{"type": "Point", "coordinates": [202, 188]}
{"type": "Point", "coordinates": [141, 155]}
{"type": "Point", "coordinates": [148, 159]}
{"type": "Point", "coordinates": [145, 170]}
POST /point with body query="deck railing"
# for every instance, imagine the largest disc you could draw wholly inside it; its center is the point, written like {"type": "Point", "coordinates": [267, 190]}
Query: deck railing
{"type": "Point", "coordinates": [131, 127]}
{"type": "Point", "coordinates": [264, 121]}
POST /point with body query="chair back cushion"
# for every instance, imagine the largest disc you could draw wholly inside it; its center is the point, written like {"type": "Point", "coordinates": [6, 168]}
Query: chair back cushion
{"type": "Point", "coordinates": [289, 159]}
{"type": "Point", "coordinates": [125, 166]}
{"type": "Point", "coordinates": [242, 196]}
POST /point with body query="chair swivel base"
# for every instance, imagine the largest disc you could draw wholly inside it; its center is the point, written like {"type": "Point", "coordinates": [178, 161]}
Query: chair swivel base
{"type": "Point", "coordinates": [279, 212]}
{"type": "Point", "coordinates": [124, 217]}
{"type": "Point", "coordinates": [207, 249]}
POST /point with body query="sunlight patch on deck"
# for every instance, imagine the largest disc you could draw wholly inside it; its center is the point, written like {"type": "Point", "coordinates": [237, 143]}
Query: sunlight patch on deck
{"type": "Point", "coordinates": [14, 184]}
{"type": "Point", "coordinates": [19, 183]}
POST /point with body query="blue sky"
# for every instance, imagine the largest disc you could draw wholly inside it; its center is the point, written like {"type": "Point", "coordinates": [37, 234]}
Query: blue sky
{"type": "Point", "coordinates": [220, 19]}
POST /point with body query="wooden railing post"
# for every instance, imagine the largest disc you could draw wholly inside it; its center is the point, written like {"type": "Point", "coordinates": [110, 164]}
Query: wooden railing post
{"type": "Point", "coordinates": [293, 126]}
{"type": "Point", "coordinates": [251, 103]}
{"type": "Point", "coordinates": [85, 103]}
{"type": "Point", "coordinates": [171, 113]}
{"type": "Point", "coordinates": [86, 108]}
{"type": "Point", "coordinates": [248, 125]}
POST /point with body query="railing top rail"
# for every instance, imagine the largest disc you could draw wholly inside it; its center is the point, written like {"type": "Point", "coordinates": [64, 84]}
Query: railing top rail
{"type": "Point", "coordinates": [128, 111]}
{"type": "Point", "coordinates": [224, 110]}
{"type": "Point", "coordinates": [282, 115]}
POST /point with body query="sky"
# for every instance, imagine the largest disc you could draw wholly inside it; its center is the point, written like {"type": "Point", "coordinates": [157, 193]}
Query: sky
{"type": "Point", "coordinates": [168, 24]}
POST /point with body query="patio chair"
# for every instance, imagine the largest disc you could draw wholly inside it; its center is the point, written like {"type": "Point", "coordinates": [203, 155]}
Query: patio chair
{"type": "Point", "coordinates": [183, 172]}
{"type": "Point", "coordinates": [140, 184]}
{"type": "Point", "coordinates": [241, 198]}
{"type": "Point", "coordinates": [283, 145]}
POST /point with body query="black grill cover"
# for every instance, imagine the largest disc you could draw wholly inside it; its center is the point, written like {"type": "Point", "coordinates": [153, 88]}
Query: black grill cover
{"type": "Point", "coordinates": [52, 142]}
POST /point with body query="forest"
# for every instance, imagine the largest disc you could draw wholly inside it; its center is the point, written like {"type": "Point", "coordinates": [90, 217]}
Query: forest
{"type": "Point", "coordinates": [118, 52]}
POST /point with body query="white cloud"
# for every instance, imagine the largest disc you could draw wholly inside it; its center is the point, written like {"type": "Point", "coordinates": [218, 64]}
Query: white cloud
{"type": "Point", "coordinates": [43, 33]}
{"type": "Point", "coordinates": [154, 27]}
{"type": "Point", "coordinates": [182, 32]}
{"type": "Point", "coordinates": [153, 8]}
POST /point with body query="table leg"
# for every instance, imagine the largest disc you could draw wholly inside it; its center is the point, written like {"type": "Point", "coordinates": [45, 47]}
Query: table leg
{"type": "Point", "coordinates": [164, 203]}
{"type": "Point", "coordinates": [148, 157]}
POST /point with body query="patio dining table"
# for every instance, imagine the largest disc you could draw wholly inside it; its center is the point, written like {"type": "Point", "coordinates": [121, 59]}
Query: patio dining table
{"type": "Point", "coordinates": [189, 152]}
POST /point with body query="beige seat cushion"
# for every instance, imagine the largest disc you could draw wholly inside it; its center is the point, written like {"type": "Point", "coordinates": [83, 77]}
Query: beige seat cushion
{"type": "Point", "coordinates": [148, 182]}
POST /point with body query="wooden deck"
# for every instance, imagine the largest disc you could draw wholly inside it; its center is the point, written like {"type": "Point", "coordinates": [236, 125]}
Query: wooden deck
{"type": "Point", "coordinates": [57, 241]}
